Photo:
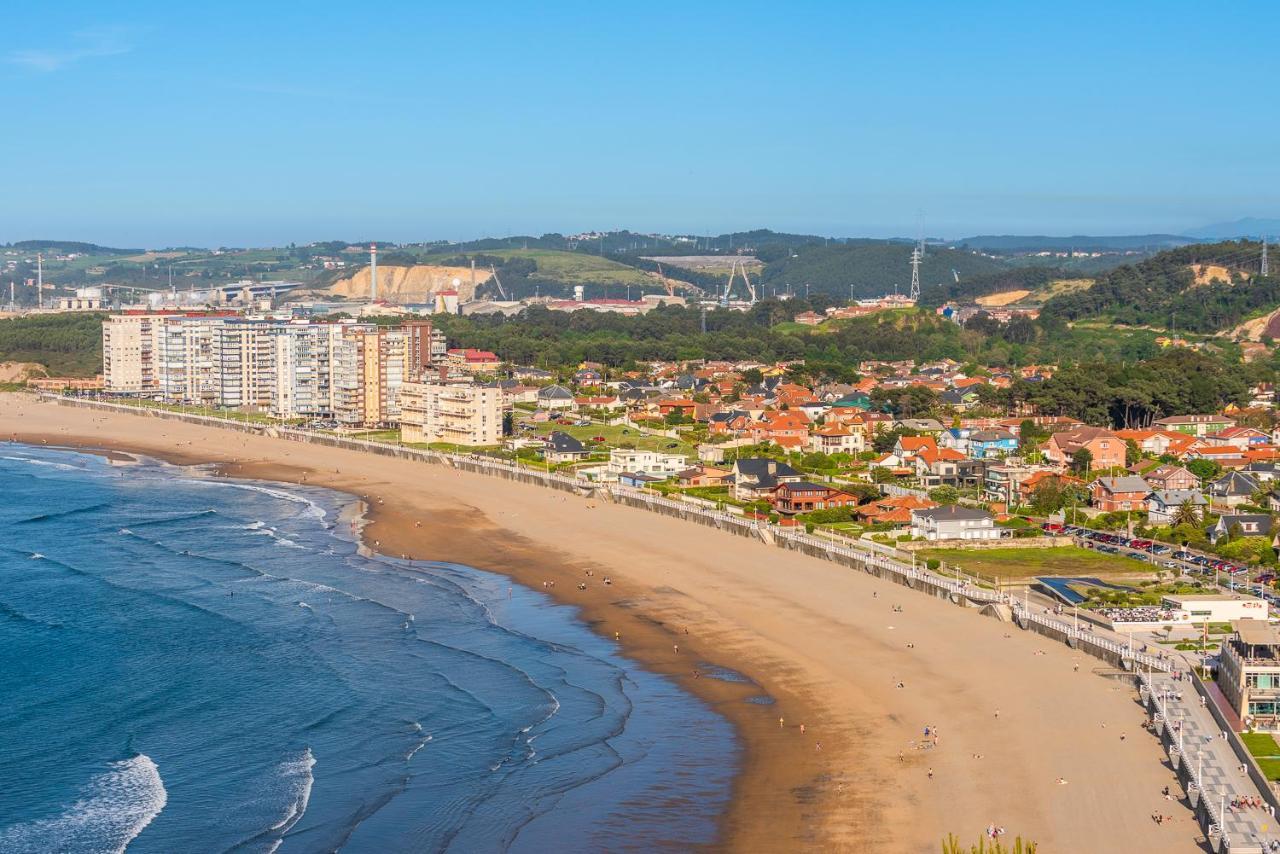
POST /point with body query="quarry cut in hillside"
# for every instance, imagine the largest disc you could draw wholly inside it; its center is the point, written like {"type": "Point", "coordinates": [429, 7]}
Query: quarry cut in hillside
{"type": "Point", "coordinates": [418, 283]}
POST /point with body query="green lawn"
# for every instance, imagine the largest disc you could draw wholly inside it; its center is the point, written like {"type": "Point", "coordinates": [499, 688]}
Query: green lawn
{"type": "Point", "coordinates": [613, 437]}
{"type": "Point", "coordinates": [1016, 562]}
{"type": "Point", "coordinates": [572, 268]}
{"type": "Point", "coordinates": [1264, 749]}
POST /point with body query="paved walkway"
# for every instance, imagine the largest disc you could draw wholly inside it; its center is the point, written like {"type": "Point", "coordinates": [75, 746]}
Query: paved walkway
{"type": "Point", "coordinates": [1219, 770]}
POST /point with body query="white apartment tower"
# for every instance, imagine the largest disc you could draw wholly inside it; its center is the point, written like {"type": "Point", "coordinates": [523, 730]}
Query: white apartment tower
{"type": "Point", "coordinates": [457, 413]}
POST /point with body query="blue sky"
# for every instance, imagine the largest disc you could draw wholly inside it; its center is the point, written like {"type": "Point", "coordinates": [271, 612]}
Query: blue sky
{"type": "Point", "coordinates": [149, 124]}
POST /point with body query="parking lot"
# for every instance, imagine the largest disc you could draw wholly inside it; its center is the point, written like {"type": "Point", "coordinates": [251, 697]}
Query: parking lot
{"type": "Point", "coordinates": [1232, 576]}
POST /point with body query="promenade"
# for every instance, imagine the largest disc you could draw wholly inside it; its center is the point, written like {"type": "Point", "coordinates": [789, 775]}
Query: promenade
{"type": "Point", "coordinates": [1208, 767]}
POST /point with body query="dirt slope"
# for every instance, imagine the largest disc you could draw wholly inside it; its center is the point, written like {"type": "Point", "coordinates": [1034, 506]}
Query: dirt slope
{"type": "Point", "coordinates": [410, 284]}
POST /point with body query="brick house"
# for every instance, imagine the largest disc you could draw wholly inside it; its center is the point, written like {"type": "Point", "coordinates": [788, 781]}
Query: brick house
{"type": "Point", "coordinates": [803, 497]}
{"type": "Point", "coordinates": [1111, 494]}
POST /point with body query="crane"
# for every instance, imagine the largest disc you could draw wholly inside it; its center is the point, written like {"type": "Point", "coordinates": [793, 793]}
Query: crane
{"type": "Point", "coordinates": [738, 266]}
{"type": "Point", "coordinates": [666, 283]}
{"type": "Point", "coordinates": [501, 291]}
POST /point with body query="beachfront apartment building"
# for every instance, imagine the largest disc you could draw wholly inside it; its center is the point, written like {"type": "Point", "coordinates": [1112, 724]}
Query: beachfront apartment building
{"type": "Point", "coordinates": [1249, 673]}
{"type": "Point", "coordinates": [349, 371]}
{"type": "Point", "coordinates": [457, 413]}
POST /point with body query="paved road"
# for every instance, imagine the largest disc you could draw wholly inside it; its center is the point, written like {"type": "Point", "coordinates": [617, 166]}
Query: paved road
{"type": "Point", "coordinates": [1218, 766]}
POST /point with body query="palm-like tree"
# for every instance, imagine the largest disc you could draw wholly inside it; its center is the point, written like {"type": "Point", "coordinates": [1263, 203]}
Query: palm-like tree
{"type": "Point", "coordinates": [1186, 514]}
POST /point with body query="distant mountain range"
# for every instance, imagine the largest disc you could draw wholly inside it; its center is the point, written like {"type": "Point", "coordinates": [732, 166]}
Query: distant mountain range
{"type": "Point", "coordinates": [1249, 226]}
{"type": "Point", "coordinates": [1076, 243]}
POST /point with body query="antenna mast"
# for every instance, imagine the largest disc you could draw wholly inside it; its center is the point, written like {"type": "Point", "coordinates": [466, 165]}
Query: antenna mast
{"type": "Point", "coordinates": [915, 274]}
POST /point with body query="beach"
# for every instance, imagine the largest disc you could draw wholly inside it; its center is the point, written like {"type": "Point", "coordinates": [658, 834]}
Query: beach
{"type": "Point", "coordinates": [823, 641]}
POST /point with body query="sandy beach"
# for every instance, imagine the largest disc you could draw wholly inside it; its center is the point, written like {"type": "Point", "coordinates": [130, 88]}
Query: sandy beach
{"type": "Point", "coordinates": [825, 642]}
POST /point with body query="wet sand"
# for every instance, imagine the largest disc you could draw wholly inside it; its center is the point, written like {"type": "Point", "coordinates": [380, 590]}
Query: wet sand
{"type": "Point", "coordinates": [822, 641]}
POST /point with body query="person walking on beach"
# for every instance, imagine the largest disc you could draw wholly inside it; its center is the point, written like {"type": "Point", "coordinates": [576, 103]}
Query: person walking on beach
{"type": "Point", "coordinates": [780, 723]}
{"type": "Point", "coordinates": [930, 773]}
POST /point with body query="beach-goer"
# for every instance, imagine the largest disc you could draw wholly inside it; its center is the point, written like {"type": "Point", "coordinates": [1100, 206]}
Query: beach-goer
{"type": "Point", "coordinates": [930, 773]}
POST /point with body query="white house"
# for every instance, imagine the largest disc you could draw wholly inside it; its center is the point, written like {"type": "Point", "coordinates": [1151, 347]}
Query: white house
{"type": "Point", "coordinates": [1163, 504]}
{"type": "Point", "coordinates": [652, 463]}
{"type": "Point", "coordinates": [953, 523]}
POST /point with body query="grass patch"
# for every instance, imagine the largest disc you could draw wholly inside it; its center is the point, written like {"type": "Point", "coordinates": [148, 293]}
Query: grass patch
{"type": "Point", "coordinates": [573, 268]}
{"type": "Point", "coordinates": [1017, 562]}
{"type": "Point", "coordinates": [614, 436]}
{"type": "Point", "coordinates": [1263, 748]}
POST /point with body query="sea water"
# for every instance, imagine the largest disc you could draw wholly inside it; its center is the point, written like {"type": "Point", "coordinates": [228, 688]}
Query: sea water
{"type": "Point", "coordinates": [200, 664]}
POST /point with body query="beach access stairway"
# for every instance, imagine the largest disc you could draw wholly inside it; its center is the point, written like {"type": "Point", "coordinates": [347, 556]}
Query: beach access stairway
{"type": "Point", "coordinates": [1207, 757]}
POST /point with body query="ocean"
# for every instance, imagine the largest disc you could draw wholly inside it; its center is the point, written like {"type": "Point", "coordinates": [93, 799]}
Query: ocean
{"type": "Point", "coordinates": [199, 664]}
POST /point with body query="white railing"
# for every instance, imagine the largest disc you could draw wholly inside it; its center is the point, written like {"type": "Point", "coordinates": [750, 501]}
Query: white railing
{"type": "Point", "coordinates": [859, 552]}
{"type": "Point", "coordinates": [1215, 814]}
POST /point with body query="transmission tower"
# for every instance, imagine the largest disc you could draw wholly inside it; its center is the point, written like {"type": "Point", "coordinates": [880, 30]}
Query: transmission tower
{"type": "Point", "coordinates": [915, 274]}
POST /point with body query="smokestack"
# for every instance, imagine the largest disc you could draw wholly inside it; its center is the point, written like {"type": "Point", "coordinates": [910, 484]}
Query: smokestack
{"type": "Point", "coordinates": [373, 272]}
{"type": "Point", "coordinates": [39, 280]}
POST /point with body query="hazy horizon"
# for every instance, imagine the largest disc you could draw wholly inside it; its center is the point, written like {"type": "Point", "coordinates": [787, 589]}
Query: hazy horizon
{"type": "Point", "coordinates": [159, 125]}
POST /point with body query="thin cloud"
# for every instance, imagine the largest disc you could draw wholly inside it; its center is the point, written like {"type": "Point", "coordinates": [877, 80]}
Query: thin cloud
{"type": "Point", "coordinates": [86, 44]}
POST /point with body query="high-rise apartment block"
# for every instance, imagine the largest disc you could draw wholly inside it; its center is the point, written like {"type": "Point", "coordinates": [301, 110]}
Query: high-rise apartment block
{"type": "Point", "coordinates": [347, 371]}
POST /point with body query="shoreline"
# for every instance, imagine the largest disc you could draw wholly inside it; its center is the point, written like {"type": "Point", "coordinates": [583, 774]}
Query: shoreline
{"type": "Point", "coordinates": [821, 641]}
{"type": "Point", "coordinates": [643, 636]}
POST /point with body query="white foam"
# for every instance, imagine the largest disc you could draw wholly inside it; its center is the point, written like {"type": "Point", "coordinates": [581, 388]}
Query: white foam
{"type": "Point", "coordinates": [418, 747]}
{"type": "Point", "coordinates": [297, 776]}
{"type": "Point", "coordinates": [115, 807]}
{"type": "Point", "coordinates": [37, 556]}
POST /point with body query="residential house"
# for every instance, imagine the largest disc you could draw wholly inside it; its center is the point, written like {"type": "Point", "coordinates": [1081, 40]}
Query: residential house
{"type": "Point", "coordinates": [1263, 472]}
{"type": "Point", "coordinates": [985, 444]}
{"type": "Point", "coordinates": [1112, 494]}
{"type": "Point", "coordinates": [607, 402]}
{"type": "Point", "coordinates": [1154, 442]}
{"type": "Point", "coordinates": [785, 428]}
{"type": "Point", "coordinates": [471, 360]}
{"type": "Point", "coordinates": [757, 477]}
{"type": "Point", "coordinates": [831, 439]}
{"type": "Point", "coordinates": [1016, 484]}
{"type": "Point", "coordinates": [1233, 489]}
{"type": "Point", "coordinates": [1242, 438]}
{"type": "Point", "coordinates": [959, 398]}
{"type": "Point", "coordinates": [1163, 504]}
{"type": "Point", "coordinates": [555, 397]}
{"type": "Point", "coordinates": [705, 475]}
{"type": "Point", "coordinates": [1195, 425]}
{"type": "Point", "coordinates": [953, 523]}
{"type": "Point", "coordinates": [1106, 447]}
{"type": "Point", "coordinates": [560, 447]}
{"type": "Point", "coordinates": [909, 447]}
{"type": "Point", "coordinates": [677, 406]}
{"type": "Point", "coordinates": [1227, 456]}
{"type": "Point", "coordinates": [1171, 477]}
{"type": "Point", "coordinates": [652, 463]}
{"type": "Point", "coordinates": [733, 421]}
{"type": "Point", "coordinates": [892, 510]}
{"type": "Point", "coordinates": [934, 466]}
{"type": "Point", "coordinates": [1251, 525]}
{"type": "Point", "coordinates": [803, 497]}
{"type": "Point", "coordinates": [921, 426]}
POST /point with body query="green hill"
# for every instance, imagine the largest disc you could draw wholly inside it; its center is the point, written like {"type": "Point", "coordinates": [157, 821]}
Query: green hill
{"type": "Point", "coordinates": [871, 269]}
{"type": "Point", "coordinates": [1198, 288]}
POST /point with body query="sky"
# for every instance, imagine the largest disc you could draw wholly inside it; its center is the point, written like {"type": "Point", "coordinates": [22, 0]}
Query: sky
{"type": "Point", "coordinates": [249, 124]}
